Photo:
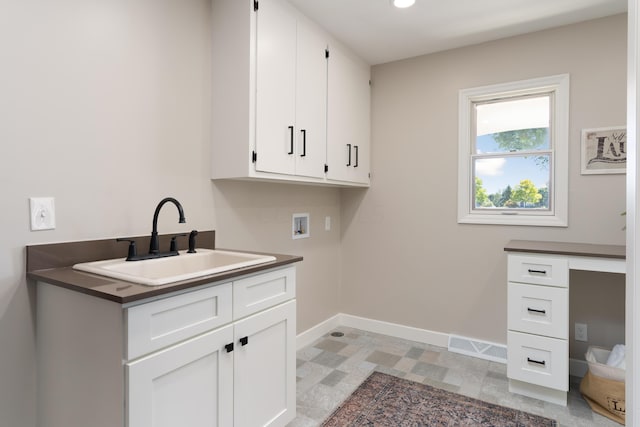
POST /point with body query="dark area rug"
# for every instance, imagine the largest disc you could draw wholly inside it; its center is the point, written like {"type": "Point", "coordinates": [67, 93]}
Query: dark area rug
{"type": "Point", "coordinates": [385, 400]}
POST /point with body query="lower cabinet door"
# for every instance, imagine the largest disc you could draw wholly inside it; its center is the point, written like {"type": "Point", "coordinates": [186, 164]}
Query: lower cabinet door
{"type": "Point", "coordinates": [264, 371]}
{"type": "Point", "coordinates": [190, 384]}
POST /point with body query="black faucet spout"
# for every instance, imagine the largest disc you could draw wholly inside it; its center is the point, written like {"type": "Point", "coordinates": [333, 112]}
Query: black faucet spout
{"type": "Point", "coordinates": [153, 244]}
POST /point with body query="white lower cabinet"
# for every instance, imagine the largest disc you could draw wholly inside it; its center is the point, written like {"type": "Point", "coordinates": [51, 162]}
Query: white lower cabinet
{"type": "Point", "coordinates": [222, 355]}
{"type": "Point", "coordinates": [213, 380]}
{"type": "Point", "coordinates": [264, 373]}
{"type": "Point", "coordinates": [538, 327]}
{"type": "Point", "coordinates": [187, 385]}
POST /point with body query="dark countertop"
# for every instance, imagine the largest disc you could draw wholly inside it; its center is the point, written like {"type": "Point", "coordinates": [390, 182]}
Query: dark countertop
{"type": "Point", "coordinates": [52, 264]}
{"type": "Point", "coordinates": [567, 248]}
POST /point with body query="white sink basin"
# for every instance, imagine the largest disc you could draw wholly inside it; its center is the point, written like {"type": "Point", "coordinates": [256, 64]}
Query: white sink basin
{"type": "Point", "coordinates": [160, 271]}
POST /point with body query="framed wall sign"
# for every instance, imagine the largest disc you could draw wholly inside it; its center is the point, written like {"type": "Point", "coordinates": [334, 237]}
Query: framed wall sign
{"type": "Point", "coordinates": [604, 150]}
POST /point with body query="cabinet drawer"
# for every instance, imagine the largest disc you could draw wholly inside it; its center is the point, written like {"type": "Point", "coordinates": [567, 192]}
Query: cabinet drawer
{"type": "Point", "coordinates": [541, 310]}
{"type": "Point", "coordinates": [538, 360]}
{"type": "Point", "coordinates": [539, 270]}
{"type": "Point", "coordinates": [260, 292]}
{"type": "Point", "coordinates": [162, 323]}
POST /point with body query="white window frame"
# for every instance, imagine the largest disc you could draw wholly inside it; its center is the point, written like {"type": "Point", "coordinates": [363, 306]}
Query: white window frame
{"type": "Point", "coordinates": [557, 216]}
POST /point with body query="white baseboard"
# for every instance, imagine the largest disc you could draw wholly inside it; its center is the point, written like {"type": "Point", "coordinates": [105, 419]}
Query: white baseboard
{"type": "Point", "coordinates": [393, 329]}
{"type": "Point", "coordinates": [316, 332]}
{"type": "Point", "coordinates": [396, 330]}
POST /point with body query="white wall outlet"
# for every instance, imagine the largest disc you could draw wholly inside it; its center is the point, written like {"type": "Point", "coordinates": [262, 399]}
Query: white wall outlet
{"type": "Point", "coordinates": [300, 226]}
{"type": "Point", "coordinates": [43, 213]}
{"type": "Point", "coordinates": [581, 332]}
{"type": "Point", "coordinates": [327, 223]}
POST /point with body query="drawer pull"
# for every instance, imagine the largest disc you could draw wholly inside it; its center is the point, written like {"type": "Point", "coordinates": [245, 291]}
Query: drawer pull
{"type": "Point", "coordinates": [229, 347]}
{"type": "Point", "coordinates": [535, 310]}
{"type": "Point", "coordinates": [537, 271]}
{"type": "Point", "coordinates": [244, 341]}
{"type": "Point", "coordinates": [537, 362]}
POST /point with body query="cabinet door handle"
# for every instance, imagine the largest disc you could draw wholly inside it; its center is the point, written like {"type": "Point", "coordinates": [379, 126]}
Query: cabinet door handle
{"type": "Point", "coordinates": [356, 147]}
{"type": "Point", "coordinates": [535, 310]}
{"type": "Point", "coordinates": [290, 140]}
{"type": "Point", "coordinates": [244, 341]}
{"type": "Point", "coordinates": [349, 150]}
{"type": "Point", "coordinates": [537, 362]}
{"type": "Point", "coordinates": [531, 271]}
{"type": "Point", "coordinates": [229, 347]}
{"type": "Point", "coordinates": [304, 142]}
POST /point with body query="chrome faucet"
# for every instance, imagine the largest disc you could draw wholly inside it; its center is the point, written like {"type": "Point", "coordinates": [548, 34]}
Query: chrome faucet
{"type": "Point", "coordinates": [153, 244]}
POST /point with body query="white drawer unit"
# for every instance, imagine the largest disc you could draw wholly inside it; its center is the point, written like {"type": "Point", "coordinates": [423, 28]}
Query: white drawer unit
{"type": "Point", "coordinates": [538, 326]}
{"type": "Point", "coordinates": [538, 270]}
{"type": "Point", "coordinates": [538, 360]}
{"type": "Point", "coordinates": [539, 310]}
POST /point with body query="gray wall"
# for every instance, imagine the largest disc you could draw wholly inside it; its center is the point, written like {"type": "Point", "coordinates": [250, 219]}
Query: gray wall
{"type": "Point", "coordinates": [258, 216]}
{"type": "Point", "coordinates": [105, 106]}
{"type": "Point", "coordinates": [405, 258]}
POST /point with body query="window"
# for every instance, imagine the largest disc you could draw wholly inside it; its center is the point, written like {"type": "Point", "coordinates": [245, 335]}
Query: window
{"type": "Point", "coordinates": [513, 153]}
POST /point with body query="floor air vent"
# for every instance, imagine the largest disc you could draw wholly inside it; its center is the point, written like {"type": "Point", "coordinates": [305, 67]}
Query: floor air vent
{"type": "Point", "coordinates": [475, 348]}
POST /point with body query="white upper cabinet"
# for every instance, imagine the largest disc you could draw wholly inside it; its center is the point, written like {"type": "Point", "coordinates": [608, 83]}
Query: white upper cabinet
{"type": "Point", "coordinates": [311, 102]}
{"type": "Point", "coordinates": [291, 94]}
{"type": "Point", "coordinates": [270, 97]}
{"type": "Point", "coordinates": [348, 124]}
{"type": "Point", "coordinates": [276, 88]}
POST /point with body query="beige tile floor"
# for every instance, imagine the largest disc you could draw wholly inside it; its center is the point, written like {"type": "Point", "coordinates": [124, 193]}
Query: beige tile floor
{"type": "Point", "coordinates": [331, 368]}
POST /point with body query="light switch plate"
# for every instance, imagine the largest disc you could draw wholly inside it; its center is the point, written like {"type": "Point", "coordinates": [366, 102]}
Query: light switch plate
{"type": "Point", "coordinates": [43, 214]}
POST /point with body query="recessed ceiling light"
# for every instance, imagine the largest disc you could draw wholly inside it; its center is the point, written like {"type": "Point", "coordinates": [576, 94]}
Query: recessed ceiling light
{"type": "Point", "coordinates": [403, 3]}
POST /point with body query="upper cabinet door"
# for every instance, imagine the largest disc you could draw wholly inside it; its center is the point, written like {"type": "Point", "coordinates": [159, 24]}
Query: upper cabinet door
{"type": "Point", "coordinates": [275, 87]}
{"type": "Point", "coordinates": [348, 125]}
{"type": "Point", "coordinates": [311, 102]}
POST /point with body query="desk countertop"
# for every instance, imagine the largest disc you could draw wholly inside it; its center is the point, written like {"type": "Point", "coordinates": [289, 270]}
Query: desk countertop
{"type": "Point", "coordinates": [567, 248]}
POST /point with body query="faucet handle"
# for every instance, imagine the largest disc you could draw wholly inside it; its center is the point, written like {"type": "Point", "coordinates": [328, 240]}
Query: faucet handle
{"type": "Point", "coordinates": [192, 242]}
{"type": "Point", "coordinates": [173, 247]}
{"type": "Point", "coordinates": [132, 248]}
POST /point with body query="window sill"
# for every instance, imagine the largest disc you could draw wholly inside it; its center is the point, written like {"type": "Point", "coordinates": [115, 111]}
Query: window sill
{"type": "Point", "coordinates": [517, 219]}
